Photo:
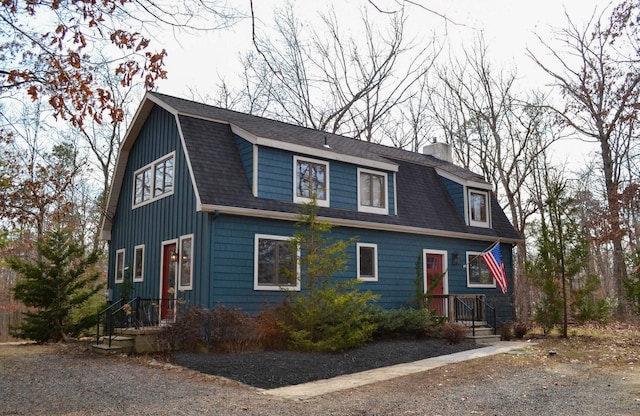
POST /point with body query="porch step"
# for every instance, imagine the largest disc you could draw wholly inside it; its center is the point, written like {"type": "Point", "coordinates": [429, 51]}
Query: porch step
{"type": "Point", "coordinates": [119, 344]}
{"type": "Point", "coordinates": [484, 339]}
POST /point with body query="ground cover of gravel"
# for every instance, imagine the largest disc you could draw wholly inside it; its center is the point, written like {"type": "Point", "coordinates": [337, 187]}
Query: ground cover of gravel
{"type": "Point", "coordinates": [594, 372]}
{"type": "Point", "coordinates": [284, 368]}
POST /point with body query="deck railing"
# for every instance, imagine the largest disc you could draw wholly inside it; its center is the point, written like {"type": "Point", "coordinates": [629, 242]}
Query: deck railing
{"type": "Point", "coordinates": [135, 313]}
{"type": "Point", "coordinates": [466, 309]}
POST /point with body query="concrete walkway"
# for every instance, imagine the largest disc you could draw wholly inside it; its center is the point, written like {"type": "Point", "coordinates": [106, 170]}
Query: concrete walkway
{"type": "Point", "coordinates": [349, 381]}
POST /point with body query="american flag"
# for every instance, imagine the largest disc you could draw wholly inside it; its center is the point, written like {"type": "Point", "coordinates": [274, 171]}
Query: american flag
{"type": "Point", "coordinates": [493, 260]}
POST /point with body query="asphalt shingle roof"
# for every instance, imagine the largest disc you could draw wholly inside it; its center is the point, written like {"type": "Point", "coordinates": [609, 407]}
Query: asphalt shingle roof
{"type": "Point", "coordinates": [221, 179]}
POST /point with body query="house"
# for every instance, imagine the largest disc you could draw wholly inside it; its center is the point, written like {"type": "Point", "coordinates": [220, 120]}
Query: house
{"type": "Point", "coordinates": [204, 200]}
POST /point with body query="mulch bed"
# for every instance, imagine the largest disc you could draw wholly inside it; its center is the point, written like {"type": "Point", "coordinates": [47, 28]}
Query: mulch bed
{"type": "Point", "coordinates": [274, 369]}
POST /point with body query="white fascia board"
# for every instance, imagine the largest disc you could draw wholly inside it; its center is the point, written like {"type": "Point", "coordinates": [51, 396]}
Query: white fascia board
{"type": "Point", "coordinates": [464, 182]}
{"type": "Point", "coordinates": [322, 153]}
{"type": "Point", "coordinates": [188, 160]}
{"type": "Point", "coordinates": [339, 222]}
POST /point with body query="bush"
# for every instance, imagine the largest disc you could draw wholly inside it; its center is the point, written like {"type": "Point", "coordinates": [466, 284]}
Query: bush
{"type": "Point", "coordinates": [453, 333]}
{"type": "Point", "coordinates": [337, 318]}
{"type": "Point", "coordinates": [520, 329]}
{"type": "Point", "coordinates": [220, 329]}
{"type": "Point", "coordinates": [400, 323]}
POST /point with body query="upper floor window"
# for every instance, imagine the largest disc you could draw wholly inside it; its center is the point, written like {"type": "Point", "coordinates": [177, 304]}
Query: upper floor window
{"type": "Point", "coordinates": [367, 261]}
{"type": "Point", "coordinates": [311, 177]}
{"type": "Point", "coordinates": [275, 265]}
{"type": "Point", "coordinates": [154, 181]}
{"type": "Point", "coordinates": [478, 208]}
{"type": "Point", "coordinates": [372, 195]}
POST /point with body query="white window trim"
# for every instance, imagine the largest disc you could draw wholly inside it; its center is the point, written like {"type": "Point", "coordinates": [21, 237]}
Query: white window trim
{"type": "Point", "coordinates": [374, 210]}
{"type": "Point", "coordinates": [476, 254]}
{"type": "Point", "coordinates": [256, 285]}
{"type": "Point", "coordinates": [445, 269]}
{"type": "Point", "coordinates": [373, 278]}
{"type": "Point", "coordinates": [179, 245]}
{"type": "Point", "coordinates": [151, 166]}
{"type": "Point", "coordinates": [304, 200]}
{"type": "Point", "coordinates": [483, 224]}
{"type": "Point", "coordinates": [124, 259]}
{"type": "Point", "coordinates": [135, 263]}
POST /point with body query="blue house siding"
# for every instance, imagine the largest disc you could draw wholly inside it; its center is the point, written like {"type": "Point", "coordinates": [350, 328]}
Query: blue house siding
{"type": "Point", "coordinates": [233, 264]}
{"type": "Point", "coordinates": [161, 220]}
{"type": "Point", "coordinates": [246, 155]}
{"type": "Point", "coordinates": [224, 239]}
{"type": "Point", "coordinates": [275, 174]}
{"type": "Point", "coordinates": [456, 191]}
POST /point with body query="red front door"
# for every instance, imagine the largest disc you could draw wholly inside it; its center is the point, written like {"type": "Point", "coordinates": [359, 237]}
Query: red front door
{"type": "Point", "coordinates": [169, 274]}
{"type": "Point", "coordinates": [434, 283]}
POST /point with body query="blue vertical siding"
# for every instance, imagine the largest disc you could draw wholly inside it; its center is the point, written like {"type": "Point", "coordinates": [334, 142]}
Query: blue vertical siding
{"type": "Point", "coordinates": [164, 219]}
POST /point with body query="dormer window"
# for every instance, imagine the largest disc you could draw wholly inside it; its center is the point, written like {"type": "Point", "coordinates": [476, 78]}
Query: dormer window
{"type": "Point", "coordinates": [478, 208]}
{"type": "Point", "coordinates": [153, 181]}
{"type": "Point", "coordinates": [311, 177]}
{"type": "Point", "coordinates": [372, 195]}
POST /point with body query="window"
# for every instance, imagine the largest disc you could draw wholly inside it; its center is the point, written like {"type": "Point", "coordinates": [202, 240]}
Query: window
{"type": "Point", "coordinates": [275, 264]}
{"type": "Point", "coordinates": [154, 181]}
{"type": "Point", "coordinates": [119, 276]}
{"type": "Point", "coordinates": [478, 274]}
{"type": "Point", "coordinates": [311, 177]}
{"type": "Point", "coordinates": [138, 264]}
{"type": "Point", "coordinates": [478, 208]}
{"type": "Point", "coordinates": [372, 195]}
{"type": "Point", "coordinates": [186, 262]}
{"type": "Point", "coordinates": [367, 261]}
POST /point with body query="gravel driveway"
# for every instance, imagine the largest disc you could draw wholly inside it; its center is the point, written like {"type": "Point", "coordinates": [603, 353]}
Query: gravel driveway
{"type": "Point", "coordinates": [61, 380]}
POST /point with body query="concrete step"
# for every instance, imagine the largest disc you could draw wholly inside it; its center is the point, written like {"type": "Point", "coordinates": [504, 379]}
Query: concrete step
{"type": "Point", "coordinates": [105, 349]}
{"type": "Point", "coordinates": [119, 343]}
{"type": "Point", "coordinates": [480, 331]}
{"type": "Point", "coordinates": [484, 339]}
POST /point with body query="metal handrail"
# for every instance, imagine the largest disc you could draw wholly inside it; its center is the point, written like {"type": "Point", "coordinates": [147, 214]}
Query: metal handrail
{"type": "Point", "coordinates": [107, 323]}
{"type": "Point", "coordinates": [460, 304]}
{"type": "Point", "coordinates": [142, 311]}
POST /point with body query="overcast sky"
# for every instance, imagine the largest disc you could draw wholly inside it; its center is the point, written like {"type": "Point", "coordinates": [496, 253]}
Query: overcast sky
{"type": "Point", "coordinates": [509, 27]}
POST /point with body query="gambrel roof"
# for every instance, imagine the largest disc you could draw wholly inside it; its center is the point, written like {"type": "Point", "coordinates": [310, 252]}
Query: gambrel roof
{"type": "Point", "coordinates": [221, 184]}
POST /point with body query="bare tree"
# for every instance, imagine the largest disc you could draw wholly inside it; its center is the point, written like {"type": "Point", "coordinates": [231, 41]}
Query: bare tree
{"type": "Point", "coordinates": [330, 81]}
{"type": "Point", "coordinates": [498, 132]}
{"type": "Point", "coordinates": [598, 75]}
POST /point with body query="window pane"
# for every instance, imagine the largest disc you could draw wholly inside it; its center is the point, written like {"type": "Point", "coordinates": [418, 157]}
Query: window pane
{"type": "Point", "coordinates": [478, 204]}
{"type": "Point", "coordinates": [478, 272]}
{"type": "Point", "coordinates": [311, 179]}
{"type": "Point", "coordinates": [119, 266]}
{"type": "Point", "coordinates": [139, 187]}
{"type": "Point", "coordinates": [168, 175]}
{"type": "Point", "coordinates": [185, 262]}
{"type": "Point", "coordinates": [365, 189]}
{"type": "Point", "coordinates": [139, 260]}
{"type": "Point", "coordinates": [276, 264]}
{"type": "Point", "coordinates": [146, 185]}
{"type": "Point", "coordinates": [372, 190]}
{"type": "Point", "coordinates": [367, 259]}
{"type": "Point", "coordinates": [377, 192]}
{"type": "Point", "coordinates": [159, 179]}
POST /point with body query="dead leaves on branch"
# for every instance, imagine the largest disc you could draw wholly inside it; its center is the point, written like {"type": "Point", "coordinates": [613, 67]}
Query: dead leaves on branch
{"type": "Point", "coordinates": [60, 65]}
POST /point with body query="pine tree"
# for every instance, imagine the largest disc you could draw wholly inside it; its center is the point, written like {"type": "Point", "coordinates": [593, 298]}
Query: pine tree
{"type": "Point", "coordinates": [54, 285]}
{"type": "Point", "coordinates": [328, 315]}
